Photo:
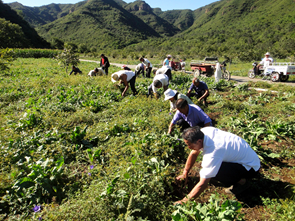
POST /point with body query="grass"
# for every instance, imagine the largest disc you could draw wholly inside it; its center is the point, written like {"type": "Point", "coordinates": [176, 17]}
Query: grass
{"type": "Point", "coordinates": [47, 114]}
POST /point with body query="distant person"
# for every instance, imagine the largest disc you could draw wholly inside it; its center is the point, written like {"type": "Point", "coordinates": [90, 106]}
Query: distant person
{"type": "Point", "coordinates": [160, 80]}
{"type": "Point", "coordinates": [164, 70]}
{"type": "Point", "coordinates": [173, 96]}
{"type": "Point", "coordinates": [124, 67]}
{"type": "Point", "coordinates": [266, 61]}
{"type": "Point", "coordinates": [189, 115]}
{"type": "Point", "coordinates": [167, 60]}
{"type": "Point", "coordinates": [125, 77]}
{"type": "Point", "coordinates": [104, 63]}
{"type": "Point", "coordinates": [201, 90]}
{"type": "Point", "coordinates": [139, 69]}
{"type": "Point", "coordinates": [227, 158]}
{"type": "Point", "coordinates": [96, 72]}
{"type": "Point", "coordinates": [148, 66]}
{"type": "Point", "coordinates": [75, 70]}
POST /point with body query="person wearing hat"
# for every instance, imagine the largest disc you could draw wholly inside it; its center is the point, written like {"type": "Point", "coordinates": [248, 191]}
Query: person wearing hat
{"type": "Point", "coordinates": [124, 67]}
{"type": "Point", "coordinates": [201, 89]}
{"type": "Point", "coordinates": [173, 96]}
{"type": "Point", "coordinates": [104, 63]}
{"type": "Point", "coordinates": [96, 72]}
{"type": "Point", "coordinates": [266, 61]}
{"type": "Point", "coordinates": [148, 66]}
{"type": "Point", "coordinates": [160, 80]}
{"type": "Point", "coordinates": [139, 69]}
{"type": "Point", "coordinates": [125, 77]}
{"type": "Point", "coordinates": [189, 115]}
{"type": "Point", "coordinates": [164, 70]}
{"type": "Point", "coordinates": [167, 60]}
{"type": "Point", "coordinates": [227, 158]}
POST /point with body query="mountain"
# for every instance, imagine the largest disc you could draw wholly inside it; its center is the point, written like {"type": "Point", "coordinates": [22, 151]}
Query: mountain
{"type": "Point", "coordinates": [143, 11]}
{"type": "Point", "coordinates": [25, 37]}
{"type": "Point", "coordinates": [99, 23]}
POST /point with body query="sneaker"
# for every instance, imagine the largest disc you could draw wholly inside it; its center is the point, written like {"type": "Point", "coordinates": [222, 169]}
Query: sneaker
{"type": "Point", "coordinates": [237, 188]}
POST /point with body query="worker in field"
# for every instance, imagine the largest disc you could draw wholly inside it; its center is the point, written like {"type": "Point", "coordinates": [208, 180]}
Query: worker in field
{"type": "Point", "coordinates": [164, 70]}
{"type": "Point", "coordinates": [126, 68]}
{"type": "Point", "coordinates": [265, 62]}
{"type": "Point", "coordinates": [173, 96]}
{"type": "Point", "coordinates": [227, 158]}
{"type": "Point", "coordinates": [139, 69]}
{"type": "Point", "coordinates": [75, 70]}
{"type": "Point", "coordinates": [201, 90]}
{"type": "Point", "coordinates": [148, 66]}
{"type": "Point", "coordinates": [189, 115]}
{"type": "Point", "coordinates": [159, 81]}
{"type": "Point", "coordinates": [96, 72]}
{"type": "Point", "coordinates": [125, 77]}
{"type": "Point", "coordinates": [166, 62]}
{"type": "Point", "coordinates": [104, 63]}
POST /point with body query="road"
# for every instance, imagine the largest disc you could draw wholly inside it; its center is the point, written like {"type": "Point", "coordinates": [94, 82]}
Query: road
{"type": "Point", "coordinates": [237, 79]}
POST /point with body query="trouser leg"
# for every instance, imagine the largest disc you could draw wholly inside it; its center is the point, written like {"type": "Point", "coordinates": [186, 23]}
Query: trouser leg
{"type": "Point", "coordinates": [150, 89]}
{"type": "Point", "coordinates": [148, 72]}
{"type": "Point", "coordinates": [132, 85]}
{"type": "Point", "coordinates": [169, 74]}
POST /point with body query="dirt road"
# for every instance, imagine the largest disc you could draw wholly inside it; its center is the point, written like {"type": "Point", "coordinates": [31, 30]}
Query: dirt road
{"type": "Point", "coordinates": [237, 79]}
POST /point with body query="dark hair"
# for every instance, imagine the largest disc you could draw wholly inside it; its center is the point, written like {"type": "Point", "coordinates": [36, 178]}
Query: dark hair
{"type": "Point", "coordinates": [102, 55]}
{"type": "Point", "coordinates": [181, 103]}
{"type": "Point", "coordinates": [141, 58]}
{"type": "Point", "coordinates": [95, 69]}
{"type": "Point", "coordinates": [175, 96]}
{"type": "Point", "coordinates": [157, 83]}
{"type": "Point", "coordinates": [196, 80]}
{"type": "Point", "coordinates": [193, 134]}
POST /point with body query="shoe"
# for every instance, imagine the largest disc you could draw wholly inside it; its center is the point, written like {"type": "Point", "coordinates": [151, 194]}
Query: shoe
{"type": "Point", "coordinates": [237, 188]}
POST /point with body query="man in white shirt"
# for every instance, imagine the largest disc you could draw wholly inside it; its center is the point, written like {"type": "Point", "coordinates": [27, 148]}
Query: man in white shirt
{"type": "Point", "coordinates": [160, 80]}
{"type": "Point", "coordinates": [96, 72]}
{"type": "Point", "coordinates": [125, 77]}
{"type": "Point", "coordinates": [266, 61]}
{"type": "Point", "coordinates": [148, 66]}
{"type": "Point", "coordinates": [164, 70]}
{"type": "Point", "coordinates": [227, 158]}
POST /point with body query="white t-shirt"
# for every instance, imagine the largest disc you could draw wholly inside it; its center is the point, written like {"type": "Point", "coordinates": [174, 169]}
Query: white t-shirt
{"type": "Point", "coordinates": [266, 63]}
{"type": "Point", "coordinates": [163, 70]}
{"type": "Point", "coordinates": [163, 78]}
{"type": "Point", "coordinates": [99, 73]}
{"type": "Point", "coordinates": [146, 62]}
{"type": "Point", "coordinates": [221, 146]}
{"type": "Point", "coordinates": [139, 66]}
{"type": "Point", "coordinates": [130, 74]}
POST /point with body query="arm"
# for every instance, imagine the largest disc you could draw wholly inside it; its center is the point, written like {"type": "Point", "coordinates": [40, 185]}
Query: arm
{"type": "Point", "coordinates": [196, 191]}
{"type": "Point", "coordinates": [170, 128]}
{"type": "Point", "coordinates": [189, 164]}
{"type": "Point", "coordinates": [204, 95]}
{"type": "Point", "coordinates": [123, 79]}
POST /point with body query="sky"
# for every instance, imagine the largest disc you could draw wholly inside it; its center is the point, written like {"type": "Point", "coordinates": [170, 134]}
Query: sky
{"type": "Point", "coordinates": [163, 4]}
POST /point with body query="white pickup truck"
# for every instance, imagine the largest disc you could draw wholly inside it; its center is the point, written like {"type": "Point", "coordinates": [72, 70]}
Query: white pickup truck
{"type": "Point", "coordinates": [280, 71]}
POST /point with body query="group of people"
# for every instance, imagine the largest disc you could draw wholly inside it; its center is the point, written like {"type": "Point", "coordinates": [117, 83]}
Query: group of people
{"type": "Point", "coordinates": [227, 158]}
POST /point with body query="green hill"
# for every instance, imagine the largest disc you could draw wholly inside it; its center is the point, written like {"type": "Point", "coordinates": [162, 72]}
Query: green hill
{"type": "Point", "coordinates": [16, 32]}
{"type": "Point", "coordinates": [142, 10]}
{"type": "Point", "coordinates": [99, 23]}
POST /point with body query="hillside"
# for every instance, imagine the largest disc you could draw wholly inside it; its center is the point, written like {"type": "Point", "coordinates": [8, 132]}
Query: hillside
{"type": "Point", "coordinates": [143, 11]}
{"type": "Point", "coordinates": [99, 23]}
{"type": "Point", "coordinates": [18, 33]}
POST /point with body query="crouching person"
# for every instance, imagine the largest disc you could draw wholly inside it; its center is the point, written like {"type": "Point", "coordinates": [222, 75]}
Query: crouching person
{"type": "Point", "coordinates": [227, 158]}
{"type": "Point", "coordinates": [125, 77]}
{"type": "Point", "coordinates": [160, 80]}
{"type": "Point", "coordinates": [96, 72]}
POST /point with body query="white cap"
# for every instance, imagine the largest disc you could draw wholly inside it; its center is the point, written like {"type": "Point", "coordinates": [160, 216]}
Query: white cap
{"type": "Point", "coordinates": [267, 53]}
{"type": "Point", "coordinates": [169, 94]}
{"type": "Point", "coordinates": [169, 56]}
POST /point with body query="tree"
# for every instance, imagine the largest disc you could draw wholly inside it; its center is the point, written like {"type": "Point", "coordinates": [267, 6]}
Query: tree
{"type": "Point", "coordinates": [57, 43]}
{"type": "Point", "coordinates": [67, 57]}
{"type": "Point", "coordinates": [6, 57]}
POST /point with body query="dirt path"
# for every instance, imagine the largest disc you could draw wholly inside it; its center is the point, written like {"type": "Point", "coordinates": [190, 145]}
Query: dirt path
{"type": "Point", "coordinates": [237, 79]}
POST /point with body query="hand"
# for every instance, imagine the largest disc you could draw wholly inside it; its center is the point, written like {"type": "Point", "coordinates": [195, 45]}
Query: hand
{"type": "Point", "coordinates": [199, 99]}
{"type": "Point", "coordinates": [123, 94]}
{"type": "Point", "coordinates": [182, 177]}
{"type": "Point", "coordinates": [184, 200]}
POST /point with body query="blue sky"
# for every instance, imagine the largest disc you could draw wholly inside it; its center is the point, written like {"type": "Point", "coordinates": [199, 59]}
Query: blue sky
{"type": "Point", "coordinates": [163, 4]}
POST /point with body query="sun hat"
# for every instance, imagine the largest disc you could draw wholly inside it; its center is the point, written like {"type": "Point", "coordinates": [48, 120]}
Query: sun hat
{"type": "Point", "coordinates": [169, 56]}
{"type": "Point", "coordinates": [267, 53]}
{"type": "Point", "coordinates": [169, 94]}
{"type": "Point", "coordinates": [115, 77]}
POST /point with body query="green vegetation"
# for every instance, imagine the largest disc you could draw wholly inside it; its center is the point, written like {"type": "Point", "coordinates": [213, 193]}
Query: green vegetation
{"type": "Point", "coordinates": [6, 57]}
{"type": "Point", "coordinates": [73, 149]}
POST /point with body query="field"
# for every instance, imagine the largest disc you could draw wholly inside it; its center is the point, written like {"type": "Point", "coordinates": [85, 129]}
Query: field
{"type": "Point", "coordinates": [73, 149]}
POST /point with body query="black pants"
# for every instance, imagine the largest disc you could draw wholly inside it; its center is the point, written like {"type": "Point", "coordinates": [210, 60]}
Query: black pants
{"type": "Point", "coordinates": [183, 124]}
{"type": "Point", "coordinates": [141, 70]}
{"type": "Point", "coordinates": [132, 85]}
{"type": "Point", "coordinates": [169, 74]}
{"type": "Point", "coordinates": [231, 173]}
{"type": "Point", "coordinates": [148, 72]}
{"type": "Point", "coordinates": [106, 70]}
{"type": "Point", "coordinates": [198, 95]}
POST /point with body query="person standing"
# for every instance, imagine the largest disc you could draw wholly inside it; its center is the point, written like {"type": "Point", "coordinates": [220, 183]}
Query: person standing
{"type": "Point", "coordinates": [201, 89]}
{"type": "Point", "coordinates": [104, 63]}
{"type": "Point", "coordinates": [167, 60]}
{"type": "Point", "coordinates": [125, 77]}
{"type": "Point", "coordinates": [227, 158]}
{"type": "Point", "coordinates": [148, 66]}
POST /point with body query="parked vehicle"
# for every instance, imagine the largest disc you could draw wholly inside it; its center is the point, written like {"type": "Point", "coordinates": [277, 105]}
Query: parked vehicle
{"type": "Point", "coordinates": [208, 69]}
{"type": "Point", "coordinates": [275, 72]}
{"type": "Point", "coordinates": [177, 65]}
